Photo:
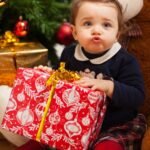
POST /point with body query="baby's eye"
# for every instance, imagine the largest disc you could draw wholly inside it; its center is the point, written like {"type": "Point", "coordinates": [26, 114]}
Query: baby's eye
{"type": "Point", "coordinates": [87, 23]}
{"type": "Point", "coordinates": [107, 25]}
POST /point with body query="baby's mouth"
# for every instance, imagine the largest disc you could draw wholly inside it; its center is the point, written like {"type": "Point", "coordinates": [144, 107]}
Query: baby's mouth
{"type": "Point", "coordinates": [96, 39]}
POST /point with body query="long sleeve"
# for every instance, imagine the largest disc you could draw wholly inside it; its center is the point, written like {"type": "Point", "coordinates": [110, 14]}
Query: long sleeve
{"type": "Point", "coordinates": [129, 86]}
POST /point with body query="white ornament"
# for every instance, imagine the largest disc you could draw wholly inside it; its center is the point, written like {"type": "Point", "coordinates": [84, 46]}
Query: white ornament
{"type": "Point", "coordinates": [39, 109]}
{"type": "Point", "coordinates": [71, 96]}
{"type": "Point", "coordinates": [72, 128]}
{"type": "Point", "coordinates": [49, 131]}
{"type": "Point", "coordinates": [85, 138]}
{"type": "Point", "coordinates": [25, 116]}
{"type": "Point", "coordinates": [68, 115]}
{"type": "Point", "coordinates": [58, 100]}
{"type": "Point", "coordinates": [54, 118]}
{"type": "Point", "coordinates": [40, 84]}
{"type": "Point", "coordinates": [86, 121]}
{"type": "Point", "coordinates": [12, 105]}
{"type": "Point", "coordinates": [93, 97]}
{"type": "Point", "coordinates": [21, 97]}
{"type": "Point", "coordinates": [28, 74]}
{"type": "Point", "coordinates": [59, 85]}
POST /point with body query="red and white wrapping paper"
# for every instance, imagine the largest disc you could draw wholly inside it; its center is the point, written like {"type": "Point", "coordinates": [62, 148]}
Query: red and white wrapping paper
{"type": "Point", "coordinates": [74, 117]}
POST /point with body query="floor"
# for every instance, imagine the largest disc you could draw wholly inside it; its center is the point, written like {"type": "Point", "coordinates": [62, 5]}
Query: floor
{"type": "Point", "coordinates": [5, 145]}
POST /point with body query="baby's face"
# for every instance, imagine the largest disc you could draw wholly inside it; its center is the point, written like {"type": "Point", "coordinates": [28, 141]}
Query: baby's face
{"type": "Point", "coordinates": [96, 26]}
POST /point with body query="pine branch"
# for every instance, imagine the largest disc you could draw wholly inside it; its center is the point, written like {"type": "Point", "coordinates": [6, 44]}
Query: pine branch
{"type": "Point", "coordinates": [43, 16]}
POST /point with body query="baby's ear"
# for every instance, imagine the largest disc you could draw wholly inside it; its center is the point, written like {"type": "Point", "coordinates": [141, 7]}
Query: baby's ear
{"type": "Point", "coordinates": [118, 35]}
{"type": "Point", "coordinates": [74, 33]}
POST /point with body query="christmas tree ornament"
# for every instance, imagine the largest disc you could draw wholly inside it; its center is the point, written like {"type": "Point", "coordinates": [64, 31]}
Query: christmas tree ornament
{"type": "Point", "coordinates": [21, 27]}
{"type": "Point", "coordinates": [64, 34]}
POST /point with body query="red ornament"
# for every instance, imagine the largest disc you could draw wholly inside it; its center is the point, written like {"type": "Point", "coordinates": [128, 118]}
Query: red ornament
{"type": "Point", "coordinates": [21, 27]}
{"type": "Point", "coordinates": [64, 34]}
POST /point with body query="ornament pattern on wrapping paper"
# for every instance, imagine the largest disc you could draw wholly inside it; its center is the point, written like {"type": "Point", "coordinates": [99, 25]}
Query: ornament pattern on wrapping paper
{"type": "Point", "coordinates": [54, 118]}
{"type": "Point", "coordinates": [85, 138]}
{"type": "Point", "coordinates": [31, 93]}
{"type": "Point", "coordinates": [71, 96]}
{"type": "Point", "coordinates": [25, 116]}
{"type": "Point", "coordinates": [17, 82]}
{"type": "Point", "coordinates": [78, 106]}
{"type": "Point", "coordinates": [27, 134]}
{"type": "Point", "coordinates": [49, 131]}
{"type": "Point", "coordinates": [40, 84]}
{"type": "Point", "coordinates": [28, 74]}
{"type": "Point", "coordinates": [69, 140]}
{"type": "Point", "coordinates": [58, 101]}
{"type": "Point", "coordinates": [12, 105]}
{"type": "Point", "coordinates": [73, 128]}
{"type": "Point", "coordinates": [86, 120]}
{"type": "Point", "coordinates": [93, 97]}
{"type": "Point", "coordinates": [92, 112]}
{"type": "Point", "coordinates": [39, 108]}
{"type": "Point", "coordinates": [102, 113]}
{"type": "Point", "coordinates": [21, 96]}
{"type": "Point", "coordinates": [68, 116]}
{"type": "Point", "coordinates": [71, 118]}
{"type": "Point", "coordinates": [59, 85]}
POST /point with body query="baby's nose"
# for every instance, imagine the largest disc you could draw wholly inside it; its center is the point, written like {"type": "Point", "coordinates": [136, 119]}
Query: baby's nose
{"type": "Point", "coordinates": [96, 30]}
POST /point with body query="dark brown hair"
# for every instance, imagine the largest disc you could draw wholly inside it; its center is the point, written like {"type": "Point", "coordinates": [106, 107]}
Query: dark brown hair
{"type": "Point", "coordinates": [77, 3]}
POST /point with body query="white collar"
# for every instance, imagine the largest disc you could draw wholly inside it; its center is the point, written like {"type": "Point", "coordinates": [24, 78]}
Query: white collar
{"type": "Point", "coordinates": [79, 55]}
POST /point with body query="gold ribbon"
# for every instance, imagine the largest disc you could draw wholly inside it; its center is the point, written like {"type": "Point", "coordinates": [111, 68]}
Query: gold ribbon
{"type": "Point", "coordinates": [60, 74]}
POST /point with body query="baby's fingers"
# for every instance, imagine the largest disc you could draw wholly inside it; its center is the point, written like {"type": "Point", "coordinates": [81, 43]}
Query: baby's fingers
{"type": "Point", "coordinates": [39, 67]}
{"type": "Point", "coordinates": [44, 68]}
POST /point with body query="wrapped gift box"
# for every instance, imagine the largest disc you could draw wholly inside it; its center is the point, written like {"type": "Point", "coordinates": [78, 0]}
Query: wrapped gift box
{"type": "Point", "coordinates": [73, 119]}
{"type": "Point", "coordinates": [22, 54]}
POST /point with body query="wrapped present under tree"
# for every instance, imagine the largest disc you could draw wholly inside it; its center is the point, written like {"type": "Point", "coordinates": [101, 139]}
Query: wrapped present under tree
{"type": "Point", "coordinates": [19, 54]}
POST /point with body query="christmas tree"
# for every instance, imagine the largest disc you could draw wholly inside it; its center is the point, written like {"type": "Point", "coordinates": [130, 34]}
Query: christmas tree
{"type": "Point", "coordinates": [44, 18]}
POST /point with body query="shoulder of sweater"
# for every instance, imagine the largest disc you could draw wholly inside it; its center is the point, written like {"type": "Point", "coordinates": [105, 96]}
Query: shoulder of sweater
{"type": "Point", "coordinates": [70, 48]}
{"type": "Point", "coordinates": [126, 55]}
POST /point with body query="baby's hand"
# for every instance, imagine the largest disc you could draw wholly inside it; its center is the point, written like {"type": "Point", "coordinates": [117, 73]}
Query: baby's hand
{"type": "Point", "coordinates": [88, 82]}
{"type": "Point", "coordinates": [96, 84]}
{"type": "Point", "coordinates": [44, 68]}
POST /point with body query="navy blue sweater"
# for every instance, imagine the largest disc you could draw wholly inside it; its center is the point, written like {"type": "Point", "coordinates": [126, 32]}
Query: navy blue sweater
{"type": "Point", "coordinates": [124, 69]}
